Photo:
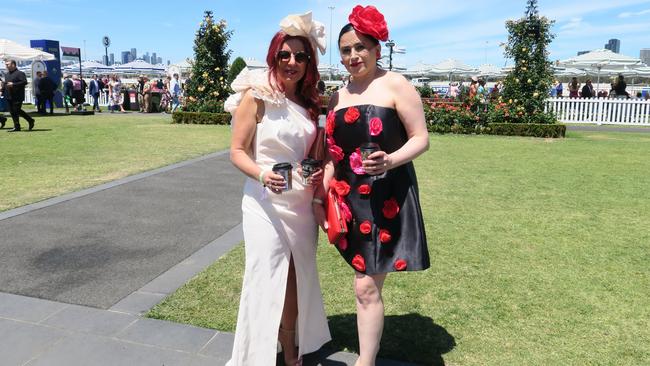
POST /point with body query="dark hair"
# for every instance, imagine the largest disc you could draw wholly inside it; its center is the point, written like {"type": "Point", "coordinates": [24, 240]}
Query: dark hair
{"type": "Point", "coordinates": [349, 27]}
{"type": "Point", "coordinates": [306, 88]}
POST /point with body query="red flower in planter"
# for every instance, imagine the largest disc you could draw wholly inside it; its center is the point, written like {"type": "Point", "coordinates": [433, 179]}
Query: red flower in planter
{"type": "Point", "coordinates": [365, 227]}
{"type": "Point", "coordinates": [400, 264]}
{"type": "Point", "coordinates": [359, 263]}
{"type": "Point", "coordinates": [351, 115]}
{"type": "Point", "coordinates": [341, 187]}
{"type": "Point", "coordinates": [329, 123]}
{"type": "Point", "coordinates": [364, 189]}
{"type": "Point", "coordinates": [384, 236]}
{"type": "Point", "coordinates": [391, 208]}
{"type": "Point", "coordinates": [376, 126]}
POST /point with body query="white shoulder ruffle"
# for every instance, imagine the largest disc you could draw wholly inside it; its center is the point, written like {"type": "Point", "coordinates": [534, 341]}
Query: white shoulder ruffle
{"type": "Point", "coordinates": [258, 81]}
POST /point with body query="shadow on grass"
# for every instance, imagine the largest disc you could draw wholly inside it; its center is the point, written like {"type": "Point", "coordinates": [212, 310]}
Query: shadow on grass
{"type": "Point", "coordinates": [409, 337]}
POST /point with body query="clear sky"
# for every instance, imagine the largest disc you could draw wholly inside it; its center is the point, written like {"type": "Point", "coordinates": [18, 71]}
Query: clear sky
{"type": "Point", "coordinates": [430, 30]}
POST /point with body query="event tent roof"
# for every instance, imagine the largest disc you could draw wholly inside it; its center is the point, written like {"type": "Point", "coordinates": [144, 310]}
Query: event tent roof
{"type": "Point", "coordinates": [15, 51]}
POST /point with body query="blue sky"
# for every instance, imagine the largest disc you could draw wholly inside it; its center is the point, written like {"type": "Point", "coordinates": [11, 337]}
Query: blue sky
{"type": "Point", "coordinates": [430, 30]}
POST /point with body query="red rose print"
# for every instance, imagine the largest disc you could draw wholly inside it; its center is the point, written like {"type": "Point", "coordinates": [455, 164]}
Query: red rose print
{"type": "Point", "coordinates": [391, 208]}
{"type": "Point", "coordinates": [376, 126]}
{"type": "Point", "coordinates": [336, 152]}
{"type": "Point", "coordinates": [351, 115]}
{"type": "Point", "coordinates": [341, 187]}
{"type": "Point", "coordinates": [369, 21]}
{"type": "Point", "coordinates": [329, 123]}
{"type": "Point", "coordinates": [356, 163]}
{"type": "Point", "coordinates": [364, 189]}
{"type": "Point", "coordinates": [345, 210]}
{"type": "Point", "coordinates": [384, 236]}
{"type": "Point", "coordinates": [365, 227]}
{"type": "Point", "coordinates": [400, 264]}
{"type": "Point", "coordinates": [359, 263]}
{"type": "Point", "coordinates": [343, 243]}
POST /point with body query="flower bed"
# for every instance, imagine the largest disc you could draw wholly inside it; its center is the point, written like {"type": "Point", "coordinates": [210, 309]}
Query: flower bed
{"type": "Point", "coordinates": [497, 117]}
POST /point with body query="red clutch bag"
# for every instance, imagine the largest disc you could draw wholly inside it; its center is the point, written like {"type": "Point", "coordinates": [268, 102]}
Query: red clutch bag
{"type": "Point", "coordinates": [337, 227]}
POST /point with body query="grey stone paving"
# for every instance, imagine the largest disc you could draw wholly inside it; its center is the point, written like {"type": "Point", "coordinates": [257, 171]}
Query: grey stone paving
{"type": "Point", "coordinates": [41, 332]}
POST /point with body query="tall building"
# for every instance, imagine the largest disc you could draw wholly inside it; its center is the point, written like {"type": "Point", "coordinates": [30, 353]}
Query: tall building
{"type": "Point", "coordinates": [111, 58]}
{"type": "Point", "coordinates": [126, 55]}
{"type": "Point", "coordinates": [105, 60]}
{"type": "Point", "coordinates": [134, 54]}
{"type": "Point", "coordinates": [146, 57]}
{"type": "Point", "coordinates": [159, 60]}
{"type": "Point", "coordinates": [153, 58]}
{"type": "Point", "coordinates": [613, 45]}
{"type": "Point", "coordinates": [645, 56]}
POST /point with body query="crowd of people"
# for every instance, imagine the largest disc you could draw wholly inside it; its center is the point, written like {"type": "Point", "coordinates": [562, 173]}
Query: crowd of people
{"type": "Point", "coordinates": [618, 89]}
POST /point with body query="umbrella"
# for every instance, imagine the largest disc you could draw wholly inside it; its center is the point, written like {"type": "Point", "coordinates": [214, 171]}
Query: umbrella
{"type": "Point", "coordinates": [453, 67]}
{"type": "Point", "coordinates": [14, 51]}
{"type": "Point", "coordinates": [489, 70]}
{"type": "Point", "coordinates": [568, 71]}
{"type": "Point", "coordinates": [140, 67]}
{"type": "Point", "coordinates": [596, 61]}
{"type": "Point", "coordinates": [419, 69]}
{"type": "Point", "coordinates": [88, 67]}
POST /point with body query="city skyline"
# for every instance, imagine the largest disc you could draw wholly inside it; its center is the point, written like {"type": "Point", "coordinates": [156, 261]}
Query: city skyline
{"type": "Point", "coordinates": [431, 31]}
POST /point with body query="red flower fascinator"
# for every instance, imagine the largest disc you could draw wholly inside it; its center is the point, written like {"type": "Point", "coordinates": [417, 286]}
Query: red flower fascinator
{"type": "Point", "coordinates": [369, 21]}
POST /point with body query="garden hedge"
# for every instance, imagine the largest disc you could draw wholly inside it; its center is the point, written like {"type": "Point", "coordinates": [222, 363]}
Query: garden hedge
{"type": "Point", "coordinates": [504, 129]}
{"type": "Point", "coordinates": [201, 118]}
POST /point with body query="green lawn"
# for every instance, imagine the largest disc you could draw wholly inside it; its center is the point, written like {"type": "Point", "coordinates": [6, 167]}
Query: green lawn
{"type": "Point", "coordinates": [68, 153]}
{"type": "Point", "coordinates": [540, 256]}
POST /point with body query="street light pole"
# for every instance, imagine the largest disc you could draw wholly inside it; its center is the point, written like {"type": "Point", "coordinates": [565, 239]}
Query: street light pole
{"type": "Point", "coordinates": [331, 8]}
{"type": "Point", "coordinates": [390, 44]}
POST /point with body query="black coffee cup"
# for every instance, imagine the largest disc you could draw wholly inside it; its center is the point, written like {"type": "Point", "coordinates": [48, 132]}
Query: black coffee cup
{"type": "Point", "coordinates": [284, 169]}
{"type": "Point", "coordinates": [367, 149]}
{"type": "Point", "coordinates": [309, 166]}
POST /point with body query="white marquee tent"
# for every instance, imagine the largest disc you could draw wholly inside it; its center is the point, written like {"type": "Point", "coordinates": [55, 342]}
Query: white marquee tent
{"type": "Point", "coordinates": [15, 51]}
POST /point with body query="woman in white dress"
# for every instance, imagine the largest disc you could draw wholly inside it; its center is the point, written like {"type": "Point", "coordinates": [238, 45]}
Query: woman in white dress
{"type": "Point", "coordinates": [275, 120]}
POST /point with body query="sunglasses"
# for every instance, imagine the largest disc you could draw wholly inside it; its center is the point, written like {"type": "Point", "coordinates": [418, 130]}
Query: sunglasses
{"type": "Point", "coordinates": [300, 57]}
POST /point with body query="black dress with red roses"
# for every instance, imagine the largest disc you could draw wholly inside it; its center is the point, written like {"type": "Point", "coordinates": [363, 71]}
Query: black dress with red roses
{"type": "Point", "coordinates": [385, 227]}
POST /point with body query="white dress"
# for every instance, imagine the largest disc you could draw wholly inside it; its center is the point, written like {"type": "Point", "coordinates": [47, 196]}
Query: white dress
{"type": "Point", "coordinates": [275, 228]}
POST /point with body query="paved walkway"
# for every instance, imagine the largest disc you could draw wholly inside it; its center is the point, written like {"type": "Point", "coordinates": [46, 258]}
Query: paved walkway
{"type": "Point", "coordinates": [81, 315]}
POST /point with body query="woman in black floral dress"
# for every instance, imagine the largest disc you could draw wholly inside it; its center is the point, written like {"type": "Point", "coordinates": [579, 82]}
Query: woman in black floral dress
{"type": "Point", "coordinates": [379, 193]}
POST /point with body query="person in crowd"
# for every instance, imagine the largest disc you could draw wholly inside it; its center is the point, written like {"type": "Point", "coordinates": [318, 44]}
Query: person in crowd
{"type": "Point", "coordinates": [453, 89]}
{"type": "Point", "coordinates": [47, 87]}
{"type": "Point", "coordinates": [574, 88]}
{"type": "Point", "coordinates": [116, 94]}
{"type": "Point", "coordinates": [553, 91]}
{"type": "Point", "coordinates": [146, 91]}
{"type": "Point", "coordinates": [165, 96]}
{"type": "Point", "coordinates": [321, 87]}
{"type": "Point", "coordinates": [77, 92]}
{"type": "Point", "coordinates": [473, 88]}
{"type": "Point", "coordinates": [13, 90]}
{"type": "Point", "coordinates": [494, 93]}
{"type": "Point", "coordinates": [276, 120]}
{"type": "Point", "coordinates": [559, 88]}
{"type": "Point", "coordinates": [3, 119]}
{"type": "Point", "coordinates": [94, 92]}
{"type": "Point", "coordinates": [176, 92]}
{"type": "Point", "coordinates": [140, 90]}
{"type": "Point", "coordinates": [36, 83]}
{"type": "Point", "coordinates": [619, 87]}
{"type": "Point", "coordinates": [67, 92]}
{"type": "Point", "coordinates": [602, 94]}
{"type": "Point", "coordinates": [378, 190]}
{"type": "Point", "coordinates": [588, 90]}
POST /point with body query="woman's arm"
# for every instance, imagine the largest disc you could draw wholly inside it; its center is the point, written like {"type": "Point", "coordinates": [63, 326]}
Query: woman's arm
{"type": "Point", "coordinates": [245, 121]}
{"type": "Point", "coordinates": [409, 108]}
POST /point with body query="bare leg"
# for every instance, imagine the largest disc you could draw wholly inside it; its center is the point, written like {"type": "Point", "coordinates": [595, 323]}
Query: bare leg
{"type": "Point", "coordinates": [287, 334]}
{"type": "Point", "coordinates": [370, 316]}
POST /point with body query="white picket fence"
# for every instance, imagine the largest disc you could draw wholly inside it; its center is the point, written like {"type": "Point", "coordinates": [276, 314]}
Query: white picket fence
{"type": "Point", "coordinates": [103, 98]}
{"type": "Point", "coordinates": [634, 112]}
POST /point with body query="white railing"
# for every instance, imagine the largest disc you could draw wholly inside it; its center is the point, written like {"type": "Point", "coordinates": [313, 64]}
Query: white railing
{"type": "Point", "coordinates": [103, 98]}
{"type": "Point", "coordinates": [601, 110]}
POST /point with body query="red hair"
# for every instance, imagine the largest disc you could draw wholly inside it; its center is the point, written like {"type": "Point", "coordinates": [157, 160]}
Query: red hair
{"type": "Point", "coordinates": [306, 89]}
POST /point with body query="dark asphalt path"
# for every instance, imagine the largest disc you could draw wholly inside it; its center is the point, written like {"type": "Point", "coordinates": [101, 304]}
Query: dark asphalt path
{"type": "Point", "coordinates": [98, 248]}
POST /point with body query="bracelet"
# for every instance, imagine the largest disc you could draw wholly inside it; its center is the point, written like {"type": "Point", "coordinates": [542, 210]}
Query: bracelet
{"type": "Point", "coordinates": [261, 177]}
{"type": "Point", "coordinates": [317, 200]}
